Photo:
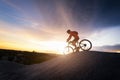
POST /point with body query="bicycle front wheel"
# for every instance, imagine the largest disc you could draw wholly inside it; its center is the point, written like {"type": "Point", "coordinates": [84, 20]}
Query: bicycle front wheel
{"type": "Point", "coordinates": [85, 45]}
{"type": "Point", "coordinates": [68, 50]}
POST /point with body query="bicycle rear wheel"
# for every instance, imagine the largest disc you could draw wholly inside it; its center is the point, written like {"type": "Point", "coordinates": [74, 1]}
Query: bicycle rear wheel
{"type": "Point", "coordinates": [85, 45]}
{"type": "Point", "coordinates": [68, 50]}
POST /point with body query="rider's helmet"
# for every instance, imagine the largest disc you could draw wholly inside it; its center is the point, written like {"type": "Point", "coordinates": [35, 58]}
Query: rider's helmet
{"type": "Point", "coordinates": [68, 31]}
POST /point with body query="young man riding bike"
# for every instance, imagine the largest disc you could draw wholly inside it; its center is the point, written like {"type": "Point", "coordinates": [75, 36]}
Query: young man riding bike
{"type": "Point", "coordinates": [73, 34]}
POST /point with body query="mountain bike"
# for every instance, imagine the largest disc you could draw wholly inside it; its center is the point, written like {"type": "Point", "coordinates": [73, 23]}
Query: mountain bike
{"type": "Point", "coordinates": [84, 45]}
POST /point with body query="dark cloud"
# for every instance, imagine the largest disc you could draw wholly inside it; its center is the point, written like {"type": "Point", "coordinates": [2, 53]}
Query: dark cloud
{"type": "Point", "coordinates": [96, 14]}
{"type": "Point", "coordinates": [108, 15]}
{"type": "Point", "coordinates": [87, 15]}
{"type": "Point", "coordinates": [82, 10]}
{"type": "Point", "coordinates": [109, 48]}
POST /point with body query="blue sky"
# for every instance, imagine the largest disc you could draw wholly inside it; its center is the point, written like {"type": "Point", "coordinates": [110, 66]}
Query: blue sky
{"type": "Point", "coordinates": [37, 21]}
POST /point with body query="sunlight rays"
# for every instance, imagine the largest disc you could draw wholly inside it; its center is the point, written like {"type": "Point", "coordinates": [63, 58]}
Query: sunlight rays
{"type": "Point", "coordinates": [42, 26]}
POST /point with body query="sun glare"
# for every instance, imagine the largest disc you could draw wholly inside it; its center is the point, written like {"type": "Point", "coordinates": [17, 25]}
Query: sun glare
{"type": "Point", "coordinates": [48, 46]}
{"type": "Point", "coordinates": [118, 51]}
{"type": "Point", "coordinates": [55, 46]}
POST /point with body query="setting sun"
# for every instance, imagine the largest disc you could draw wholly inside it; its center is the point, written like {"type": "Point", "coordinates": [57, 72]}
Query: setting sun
{"type": "Point", "coordinates": [56, 46]}
{"type": "Point", "coordinates": [38, 46]}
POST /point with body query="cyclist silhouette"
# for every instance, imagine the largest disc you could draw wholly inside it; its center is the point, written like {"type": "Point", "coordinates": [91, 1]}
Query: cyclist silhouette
{"type": "Point", "coordinates": [73, 34]}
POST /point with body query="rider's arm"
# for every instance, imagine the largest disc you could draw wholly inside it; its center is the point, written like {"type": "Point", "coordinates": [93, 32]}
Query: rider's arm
{"type": "Point", "coordinates": [69, 38]}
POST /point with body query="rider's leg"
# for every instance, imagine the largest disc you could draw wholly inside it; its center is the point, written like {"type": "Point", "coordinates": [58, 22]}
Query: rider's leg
{"type": "Point", "coordinates": [74, 44]}
{"type": "Point", "coordinates": [76, 49]}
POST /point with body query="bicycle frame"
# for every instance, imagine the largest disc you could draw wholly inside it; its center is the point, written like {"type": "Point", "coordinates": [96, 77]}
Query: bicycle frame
{"type": "Point", "coordinates": [77, 46]}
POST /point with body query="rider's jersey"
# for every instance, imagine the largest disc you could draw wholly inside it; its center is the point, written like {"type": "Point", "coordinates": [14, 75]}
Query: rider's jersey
{"type": "Point", "coordinates": [73, 34]}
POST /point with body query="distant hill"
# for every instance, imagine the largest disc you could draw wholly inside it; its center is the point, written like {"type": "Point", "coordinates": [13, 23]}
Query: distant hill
{"type": "Point", "coordinates": [78, 66]}
{"type": "Point", "coordinates": [25, 57]}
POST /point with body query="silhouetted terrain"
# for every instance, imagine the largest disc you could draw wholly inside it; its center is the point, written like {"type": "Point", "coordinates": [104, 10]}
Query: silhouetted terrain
{"type": "Point", "coordinates": [78, 66]}
{"type": "Point", "coordinates": [25, 57]}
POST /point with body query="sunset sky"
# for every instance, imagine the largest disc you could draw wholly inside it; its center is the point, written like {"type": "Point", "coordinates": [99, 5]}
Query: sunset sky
{"type": "Point", "coordinates": [41, 25]}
